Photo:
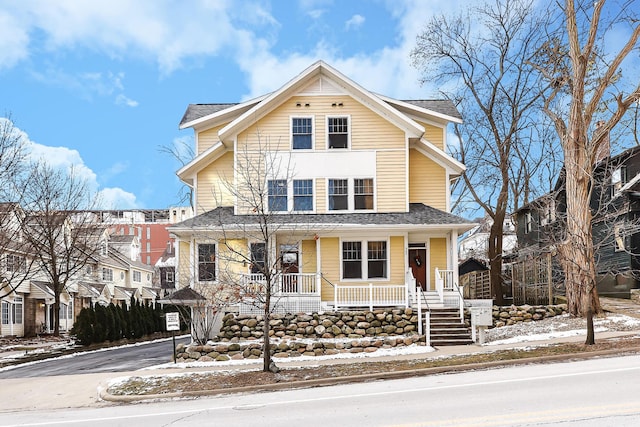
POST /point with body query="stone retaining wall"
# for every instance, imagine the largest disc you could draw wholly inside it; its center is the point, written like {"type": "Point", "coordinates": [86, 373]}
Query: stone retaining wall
{"type": "Point", "coordinates": [288, 348]}
{"type": "Point", "coordinates": [348, 324]}
{"type": "Point", "coordinates": [509, 315]}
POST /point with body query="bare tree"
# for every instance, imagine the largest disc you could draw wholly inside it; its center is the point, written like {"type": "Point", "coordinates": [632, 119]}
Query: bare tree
{"type": "Point", "coordinates": [62, 239]}
{"type": "Point", "coordinates": [588, 86]}
{"type": "Point", "coordinates": [499, 95]}
{"type": "Point", "coordinates": [16, 262]}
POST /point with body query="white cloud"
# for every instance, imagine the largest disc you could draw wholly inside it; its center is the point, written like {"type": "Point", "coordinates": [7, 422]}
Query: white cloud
{"type": "Point", "coordinates": [123, 100]}
{"type": "Point", "coordinates": [117, 198]}
{"type": "Point", "coordinates": [14, 40]}
{"type": "Point", "coordinates": [354, 22]}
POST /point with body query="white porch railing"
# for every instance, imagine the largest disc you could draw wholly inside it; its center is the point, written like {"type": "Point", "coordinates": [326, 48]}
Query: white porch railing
{"type": "Point", "coordinates": [371, 296]}
{"type": "Point", "coordinates": [285, 284]}
{"type": "Point", "coordinates": [446, 285]}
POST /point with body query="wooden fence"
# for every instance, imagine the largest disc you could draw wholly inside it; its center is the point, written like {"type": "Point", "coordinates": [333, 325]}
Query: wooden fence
{"type": "Point", "coordinates": [476, 284]}
{"type": "Point", "coordinates": [532, 280]}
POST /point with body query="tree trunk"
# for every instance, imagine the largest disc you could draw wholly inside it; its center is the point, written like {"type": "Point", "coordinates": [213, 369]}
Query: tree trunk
{"type": "Point", "coordinates": [56, 315]}
{"type": "Point", "coordinates": [577, 252]}
{"type": "Point", "coordinates": [495, 261]}
{"type": "Point", "coordinates": [266, 352]}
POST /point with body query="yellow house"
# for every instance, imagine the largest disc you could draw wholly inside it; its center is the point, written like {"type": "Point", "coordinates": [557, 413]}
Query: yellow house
{"type": "Point", "coordinates": [341, 196]}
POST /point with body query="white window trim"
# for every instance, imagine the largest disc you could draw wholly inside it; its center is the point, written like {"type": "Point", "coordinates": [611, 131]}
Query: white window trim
{"type": "Point", "coordinates": [290, 196]}
{"type": "Point", "coordinates": [364, 266]}
{"type": "Point", "coordinates": [351, 195]}
{"type": "Point", "coordinates": [102, 274]}
{"type": "Point", "coordinates": [349, 132]}
{"type": "Point", "coordinates": [313, 132]}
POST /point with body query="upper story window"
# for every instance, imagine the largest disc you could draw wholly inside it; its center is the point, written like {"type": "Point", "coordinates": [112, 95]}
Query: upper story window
{"type": "Point", "coordinates": [302, 195]}
{"type": "Point", "coordinates": [137, 276]}
{"type": "Point", "coordinates": [363, 193]}
{"type": "Point", "coordinates": [618, 179]}
{"type": "Point", "coordinates": [168, 276]}
{"type": "Point", "coordinates": [107, 274]}
{"type": "Point", "coordinates": [15, 263]}
{"type": "Point", "coordinates": [206, 262]}
{"type": "Point", "coordinates": [279, 191]}
{"type": "Point", "coordinates": [346, 194]}
{"type": "Point", "coordinates": [301, 133]}
{"type": "Point", "coordinates": [338, 194]}
{"type": "Point", "coordinates": [277, 195]}
{"type": "Point", "coordinates": [528, 223]}
{"type": "Point", "coordinates": [338, 132]}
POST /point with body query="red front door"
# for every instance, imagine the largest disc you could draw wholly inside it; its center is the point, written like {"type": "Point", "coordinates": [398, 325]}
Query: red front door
{"type": "Point", "coordinates": [418, 264]}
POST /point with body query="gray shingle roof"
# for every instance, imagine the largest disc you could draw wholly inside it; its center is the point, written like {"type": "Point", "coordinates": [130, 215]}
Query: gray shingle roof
{"type": "Point", "coordinates": [418, 214]}
{"type": "Point", "coordinates": [196, 111]}
{"type": "Point", "coordinates": [443, 106]}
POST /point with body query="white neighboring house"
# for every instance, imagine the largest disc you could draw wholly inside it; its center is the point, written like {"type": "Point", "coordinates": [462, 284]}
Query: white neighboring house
{"type": "Point", "coordinates": [475, 242]}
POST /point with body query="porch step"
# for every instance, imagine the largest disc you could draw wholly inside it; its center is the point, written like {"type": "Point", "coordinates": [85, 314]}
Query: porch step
{"type": "Point", "coordinates": [446, 328]}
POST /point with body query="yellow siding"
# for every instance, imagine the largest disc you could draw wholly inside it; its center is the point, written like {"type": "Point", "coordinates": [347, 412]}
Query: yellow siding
{"type": "Point", "coordinates": [437, 257]}
{"type": "Point", "coordinates": [207, 138]}
{"type": "Point", "coordinates": [213, 181]}
{"type": "Point", "coordinates": [434, 134]}
{"type": "Point", "coordinates": [368, 129]}
{"type": "Point", "coordinates": [309, 259]}
{"type": "Point", "coordinates": [397, 261]}
{"type": "Point", "coordinates": [390, 181]}
{"type": "Point", "coordinates": [184, 267]}
{"type": "Point", "coordinates": [321, 195]}
{"type": "Point", "coordinates": [427, 181]}
{"type": "Point", "coordinates": [330, 267]}
{"type": "Point", "coordinates": [232, 257]}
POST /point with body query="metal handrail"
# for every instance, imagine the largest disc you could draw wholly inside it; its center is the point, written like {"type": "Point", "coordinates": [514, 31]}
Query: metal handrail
{"type": "Point", "coordinates": [427, 321]}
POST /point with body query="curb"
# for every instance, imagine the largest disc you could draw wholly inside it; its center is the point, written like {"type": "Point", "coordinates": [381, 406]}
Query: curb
{"type": "Point", "coordinates": [322, 382]}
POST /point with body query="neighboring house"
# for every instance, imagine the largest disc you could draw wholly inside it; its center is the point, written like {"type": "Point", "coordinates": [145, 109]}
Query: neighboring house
{"type": "Point", "coordinates": [615, 206]}
{"type": "Point", "coordinates": [356, 184]}
{"type": "Point", "coordinates": [166, 270]}
{"type": "Point", "coordinates": [26, 296]}
{"type": "Point", "coordinates": [475, 242]}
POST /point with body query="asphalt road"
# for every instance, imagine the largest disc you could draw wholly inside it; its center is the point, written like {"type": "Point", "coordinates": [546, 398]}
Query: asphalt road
{"type": "Point", "coordinates": [123, 359]}
{"type": "Point", "coordinates": [597, 392]}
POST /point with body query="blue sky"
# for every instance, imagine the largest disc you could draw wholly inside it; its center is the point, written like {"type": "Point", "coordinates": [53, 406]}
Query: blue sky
{"type": "Point", "coordinates": [102, 85]}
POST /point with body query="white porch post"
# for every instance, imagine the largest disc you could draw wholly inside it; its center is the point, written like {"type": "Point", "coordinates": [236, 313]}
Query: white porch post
{"type": "Point", "coordinates": [454, 256]}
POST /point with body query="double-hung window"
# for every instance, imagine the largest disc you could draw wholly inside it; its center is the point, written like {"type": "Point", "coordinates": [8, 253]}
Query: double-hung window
{"type": "Point", "coordinates": [137, 276]}
{"type": "Point", "coordinates": [363, 193]}
{"type": "Point", "coordinates": [370, 264]}
{"type": "Point", "coordinates": [302, 195]}
{"type": "Point", "coordinates": [277, 195]}
{"type": "Point", "coordinates": [301, 133]}
{"type": "Point", "coordinates": [618, 180]}
{"type": "Point", "coordinates": [338, 194]}
{"type": "Point", "coordinates": [107, 274]}
{"type": "Point", "coordinates": [5, 313]}
{"type": "Point", "coordinates": [338, 132]}
{"type": "Point", "coordinates": [15, 263]}
{"type": "Point", "coordinates": [352, 260]}
{"type": "Point", "coordinates": [206, 262]}
{"type": "Point", "coordinates": [258, 257]}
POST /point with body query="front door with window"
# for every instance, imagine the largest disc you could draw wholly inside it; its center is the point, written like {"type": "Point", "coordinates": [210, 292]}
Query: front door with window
{"type": "Point", "coordinates": [290, 269]}
{"type": "Point", "coordinates": [418, 265]}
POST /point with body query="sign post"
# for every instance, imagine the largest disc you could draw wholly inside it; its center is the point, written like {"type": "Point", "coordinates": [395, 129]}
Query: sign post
{"type": "Point", "coordinates": [173, 324]}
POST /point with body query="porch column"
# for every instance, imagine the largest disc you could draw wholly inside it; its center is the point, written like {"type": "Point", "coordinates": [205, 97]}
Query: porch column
{"type": "Point", "coordinates": [454, 256]}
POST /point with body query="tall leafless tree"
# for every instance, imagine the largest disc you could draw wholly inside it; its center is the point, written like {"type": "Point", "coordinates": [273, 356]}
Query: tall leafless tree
{"type": "Point", "coordinates": [62, 239]}
{"type": "Point", "coordinates": [589, 86]}
{"type": "Point", "coordinates": [481, 59]}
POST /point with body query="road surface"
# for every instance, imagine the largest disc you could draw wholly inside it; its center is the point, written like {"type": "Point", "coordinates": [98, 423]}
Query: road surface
{"type": "Point", "coordinates": [598, 392]}
{"type": "Point", "coordinates": [122, 359]}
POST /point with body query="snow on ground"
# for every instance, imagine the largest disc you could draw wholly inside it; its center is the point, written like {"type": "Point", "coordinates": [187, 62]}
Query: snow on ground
{"type": "Point", "coordinates": [557, 327]}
